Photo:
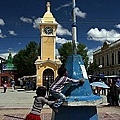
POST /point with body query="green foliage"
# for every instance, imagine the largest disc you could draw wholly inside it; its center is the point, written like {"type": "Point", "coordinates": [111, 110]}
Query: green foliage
{"type": "Point", "coordinates": [92, 68]}
{"type": "Point", "coordinates": [66, 49]}
{"type": "Point", "coordinates": [81, 49]}
{"type": "Point", "coordinates": [25, 59]}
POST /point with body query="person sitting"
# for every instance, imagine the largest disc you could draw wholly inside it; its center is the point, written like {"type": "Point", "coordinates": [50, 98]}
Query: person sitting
{"type": "Point", "coordinates": [58, 85]}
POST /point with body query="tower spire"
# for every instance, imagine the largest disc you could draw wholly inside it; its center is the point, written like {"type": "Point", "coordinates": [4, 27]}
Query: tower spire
{"type": "Point", "coordinates": [48, 6]}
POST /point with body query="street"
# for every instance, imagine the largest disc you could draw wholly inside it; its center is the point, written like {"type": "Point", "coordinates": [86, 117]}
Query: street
{"type": "Point", "coordinates": [14, 104]}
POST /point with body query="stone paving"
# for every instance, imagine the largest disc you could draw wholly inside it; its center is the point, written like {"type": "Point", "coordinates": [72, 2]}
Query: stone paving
{"type": "Point", "coordinates": [15, 105]}
{"type": "Point", "coordinates": [109, 113]}
{"type": "Point", "coordinates": [46, 115]}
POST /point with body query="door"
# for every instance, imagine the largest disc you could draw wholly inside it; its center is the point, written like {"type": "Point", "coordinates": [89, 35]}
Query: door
{"type": "Point", "coordinates": [48, 78]}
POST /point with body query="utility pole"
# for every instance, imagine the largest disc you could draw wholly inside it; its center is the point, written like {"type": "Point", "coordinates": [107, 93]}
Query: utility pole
{"type": "Point", "coordinates": [74, 29]}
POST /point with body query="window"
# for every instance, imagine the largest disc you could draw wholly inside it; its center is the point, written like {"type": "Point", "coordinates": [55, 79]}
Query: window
{"type": "Point", "coordinates": [118, 57]}
{"type": "Point", "coordinates": [113, 72]}
{"type": "Point", "coordinates": [107, 60]}
{"type": "Point", "coordinates": [102, 61]}
{"type": "Point", "coordinates": [112, 58]}
{"type": "Point", "coordinates": [99, 61]}
{"type": "Point", "coordinates": [95, 61]}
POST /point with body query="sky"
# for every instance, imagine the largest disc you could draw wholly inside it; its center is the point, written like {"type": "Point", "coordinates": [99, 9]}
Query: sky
{"type": "Point", "coordinates": [97, 21]}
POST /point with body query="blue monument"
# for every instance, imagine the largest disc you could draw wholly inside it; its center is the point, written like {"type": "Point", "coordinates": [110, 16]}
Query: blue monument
{"type": "Point", "coordinates": [81, 102]}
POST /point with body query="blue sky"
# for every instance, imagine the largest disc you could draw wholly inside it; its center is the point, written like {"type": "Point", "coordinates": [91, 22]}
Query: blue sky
{"type": "Point", "coordinates": [97, 21]}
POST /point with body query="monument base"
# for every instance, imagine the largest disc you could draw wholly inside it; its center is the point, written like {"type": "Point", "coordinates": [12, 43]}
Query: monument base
{"type": "Point", "coordinates": [75, 113]}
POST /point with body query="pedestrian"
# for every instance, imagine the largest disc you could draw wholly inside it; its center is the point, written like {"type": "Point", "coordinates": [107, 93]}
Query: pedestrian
{"type": "Point", "coordinates": [5, 86]}
{"type": "Point", "coordinates": [114, 92]}
{"type": "Point", "coordinates": [13, 84]}
{"type": "Point", "coordinates": [21, 82]}
{"type": "Point", "coordinates": [33, 85]}
{"type": "Point", "coordinates": [47, 86]}
{"type": "Point", "coordinates": [109, 99]}
{"type": "Point", "coordinates": [39, 102]}
{"type": "Point", "coordinates": [58, 85]}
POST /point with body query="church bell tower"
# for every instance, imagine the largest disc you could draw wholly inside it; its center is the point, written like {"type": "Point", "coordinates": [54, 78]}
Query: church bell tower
{"type": "Point", "coordinates": [48, 63]}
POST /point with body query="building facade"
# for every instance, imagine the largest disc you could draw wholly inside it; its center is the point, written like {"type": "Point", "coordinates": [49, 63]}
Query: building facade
{"type": "Point", "coordinates": [8, 71]}
{"type": "Point", "coordinates": [108, 58]}
{"type": "Point", "coordinates": [2, 60]}
{"type": "Point", "coordinates": [47, 64]}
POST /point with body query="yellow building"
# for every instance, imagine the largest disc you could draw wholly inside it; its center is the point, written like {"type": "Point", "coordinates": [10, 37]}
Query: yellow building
{"type": "Point", "coordinates": [47, 64]}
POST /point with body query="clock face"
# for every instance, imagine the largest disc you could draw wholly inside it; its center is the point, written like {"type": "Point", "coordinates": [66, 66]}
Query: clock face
{"type": "Point", "coordinates": [48, 30]}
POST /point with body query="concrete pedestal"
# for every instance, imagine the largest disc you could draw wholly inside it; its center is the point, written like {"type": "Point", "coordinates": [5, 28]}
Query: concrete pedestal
{"type": "Point", "coordinates": [81, 102]}
{"type": "Point", "coordinates": [76, 113]}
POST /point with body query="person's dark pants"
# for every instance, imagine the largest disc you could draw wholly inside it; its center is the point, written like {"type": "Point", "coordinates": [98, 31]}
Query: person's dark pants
{"type": "Point", "coordinates": [60, 98]}
{"type": "Point", "coordinates": [115, 100]}
{"type": "Point", "coordinates": [5, 89]}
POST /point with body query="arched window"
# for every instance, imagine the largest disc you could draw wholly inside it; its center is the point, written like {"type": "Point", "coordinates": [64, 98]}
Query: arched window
{"type": "Point", "coordinates": [112, 58]}
{"type": "Point", "coordinates": [107, 60]}
{"type": "Point", "coordinates": [99, 61]}
{"type": "Point", "coordinates": [102, 61]}
{"type": "Point", "coordinates": [118, 57]}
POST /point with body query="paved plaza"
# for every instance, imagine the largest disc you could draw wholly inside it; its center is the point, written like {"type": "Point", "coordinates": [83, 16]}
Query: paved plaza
{"type": "Point", "coordinates": [15, 105]}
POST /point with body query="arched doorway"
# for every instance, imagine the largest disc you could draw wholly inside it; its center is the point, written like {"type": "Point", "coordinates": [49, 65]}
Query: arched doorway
{"type": "Point", "coordinates": [48, 78]}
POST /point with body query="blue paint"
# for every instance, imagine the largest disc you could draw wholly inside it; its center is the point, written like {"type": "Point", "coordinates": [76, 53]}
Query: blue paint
{"type": "Point", "coordinates": [76, 113]}
{"type": "Point", "coordinates": [79, 98]}
{"type": "Point", "coordinates": [84, 92]}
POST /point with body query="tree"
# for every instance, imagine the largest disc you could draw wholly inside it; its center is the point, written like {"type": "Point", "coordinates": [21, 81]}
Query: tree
{"type": "Point", "coordinates": [92, 68]}
{"type": "Point", "coordinates": [66, 49]}
{"type": "Point", "coordinates": [25, 59]}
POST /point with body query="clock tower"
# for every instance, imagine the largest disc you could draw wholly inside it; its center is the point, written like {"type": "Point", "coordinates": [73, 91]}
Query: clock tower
{"type": "Point", "coordinates": [48, 63]}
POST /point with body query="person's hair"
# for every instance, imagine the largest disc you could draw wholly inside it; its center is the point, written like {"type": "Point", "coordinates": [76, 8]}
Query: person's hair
{"type": "Point", "coordinates": [41, 91]}
{"type": "Point", "coordinates": [61, 71]}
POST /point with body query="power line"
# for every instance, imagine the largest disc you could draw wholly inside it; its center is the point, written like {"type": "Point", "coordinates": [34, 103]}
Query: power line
{"type": "Point", "coordinates": [90, 21]}
{"type": "Point", "coordinates": [39, 37]}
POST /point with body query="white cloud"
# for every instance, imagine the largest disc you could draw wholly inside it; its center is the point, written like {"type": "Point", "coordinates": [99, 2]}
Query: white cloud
{"type": "Point", "coordinates": [117, 26]}
{"type": "Point", "coordinates": [62, 40]}
{"type": "Point", "coordinates": [36, 22]}
{"type": "Point", "coordinates": [62, 31]}
{"type": "Point", "coordinates": [25, 19]}
{"type": "Point", "coordinates": [65, 5]}
{"type": "Point", "coordinates": [56, 52]}
{"type": "Point", "coordinates": [19, 43]}
{"type": "Point", "coordinates": [2, 22]}
{"type": "Point", "coordinates": [5, 55]}
{"type": "Point", "coordinates": [1, 34]}
{"type": "Point", "coordinates": [103, 35]}
{"type": "Point", "coordinates": [11, 32]}
{"type": "Point", "coordinates": [77, 10]}
{"type": "Point", "coordinates": [90, 53]}
{"type": "Point", "coordinates": [80, 13]}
